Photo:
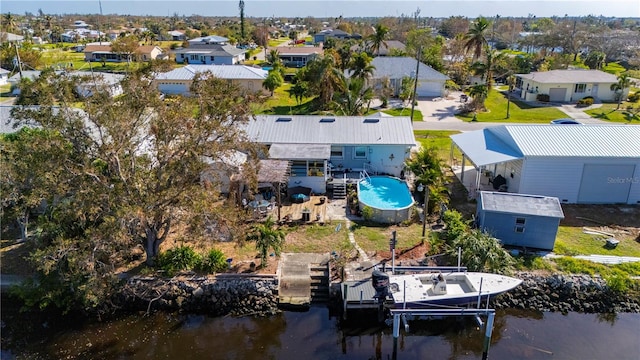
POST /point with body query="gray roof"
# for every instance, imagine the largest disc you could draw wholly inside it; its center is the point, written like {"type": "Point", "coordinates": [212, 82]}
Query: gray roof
{"type": "Point", "coordinates": [338, 130]}
{"type": "Point", "coordinates": [399, 67]}
{"type": "Point", "coordinates": [522, 204]}
{"type": "Point", "coordinates": [3, 71]}
{"type": "Point", "coordinates": [211, 39]}
{"type": "Point", "coordinates": [219, 71]}
{"type": "Point", "coordinates": [570, 76]}
{"type": "Point", "coordinates": [300, 151]}
{"type": "Point", "coordinates": [212, 50]}
{"type": "Point", "coordinates": [5, 36]}
{"type": "Point", "coordinates": [509, 142]}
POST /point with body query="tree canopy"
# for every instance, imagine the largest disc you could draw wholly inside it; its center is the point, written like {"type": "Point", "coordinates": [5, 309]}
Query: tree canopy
{"type": "Point", "coordinates": [129, 175]}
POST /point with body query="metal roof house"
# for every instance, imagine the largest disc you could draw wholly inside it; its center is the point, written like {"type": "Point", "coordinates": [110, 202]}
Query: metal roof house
{"type": "Point", "coordinates": [528, 221]}
{"type": "Point", "coordinates": [207, 53]}
{"type": "Point", "coordinates": [178, 81]}
{"type": "Point", "coordinates": [322, 147]}
{"type": "Point", "coordinates": [588, 164]}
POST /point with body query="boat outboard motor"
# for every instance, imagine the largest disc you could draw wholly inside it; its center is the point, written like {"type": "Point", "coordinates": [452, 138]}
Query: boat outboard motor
{"type": "Point", "coordinates": [380, 282]}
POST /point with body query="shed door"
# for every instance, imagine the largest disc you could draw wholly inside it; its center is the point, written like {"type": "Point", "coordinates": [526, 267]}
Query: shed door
{"type": "Point", "coordinates": [605, 184]}
{"type": "Point", "coordinates": [558, 94]}
{"type": "Point", "coordinates": [429, 88]}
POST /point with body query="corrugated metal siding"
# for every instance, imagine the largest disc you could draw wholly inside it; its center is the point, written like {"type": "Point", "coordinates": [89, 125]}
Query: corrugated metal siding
{"type": "Point", "coordinates": [345, 130]}
{"type": "Point", "coordinates": [561, 177]}
{"type": "Point", "coordinates": [574, 141]}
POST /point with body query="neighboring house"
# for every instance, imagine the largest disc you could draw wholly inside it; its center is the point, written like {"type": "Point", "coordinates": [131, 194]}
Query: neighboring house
{"type": "Point", "coordinates": [523, 221]}
{"type": "Point", "coordinates": [385, 48]}
{"type": "Point", "coordinates": [106, 81]}
{"type": "Point", "coordinates": [5, 36]}
{"type": "Point", "coordinates": [430, 82]}
{"type": "Point", "coordinates": [209, 40]}
{"type": "Point", "coordinates": [567, 85]}
{"type": "Point", "coordinates": [150, 52]}
{"type": "Point", "coordinates": [178, 81]}
{"type": "Point", "coordinates": [588, 164]}
{"type": "Point", "coordinates": [94, 52]}
{"type": "Point", "coordinates": [222, 170]}
{"type": "Point", "coordinates": [177, 35]}
{"type": "Point", "coordinates": [79, 24]}
{"type": "Point", "coordinates": [210, 54]}
{"type": "Point", "coordinates": [335, 33]}
{"type": "Point", "coordinates": [298, 56]}
{"type": "Point", "coordinates": [316, 146]}
{"type": "Point", "coordinates": [4, 76]}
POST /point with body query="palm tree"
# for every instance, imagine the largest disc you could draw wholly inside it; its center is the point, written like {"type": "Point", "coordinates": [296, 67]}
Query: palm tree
{"type": "Point", "coordinates": [427, 167]}
{"type": "Point", "coordinates": [476, 37]}
{"type": "Point", "coordinates": [298, 90]}
{"type": "Point", "coordinates": [495, 62]}
{"type": "Point", "coordinates": [481, 252]}
{"type": "Point", "coordinates": [324, 77]}
{"type": "Point", "coordinates": [352, 101]}
{"type": "Point", "coordinates": [511, 81]}
{"type": "Point", "coordinates": [273, 81]}
{"type": "Point", "coordinates": [378, 38]}
{"type": "Point", "coordinates": [479, 94]}
{"type": "Point", "coordinates": [624, 82]}
{"type": "Point", "coordinates": [267, 237]}
{"type": "Point", "coordinates": [360, 66]}
{"type": "Point", "coordinates": [9, 22]}
{"type": "Point", "coordinates": [273, 56]}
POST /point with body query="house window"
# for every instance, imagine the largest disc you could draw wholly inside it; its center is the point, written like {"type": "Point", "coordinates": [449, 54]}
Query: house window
{"type": "Point", "coordinates": [520, 221]}
{"type": "Point", "coordinates": [337, 152]}
{"type": "Point", "coordinates": [193, 57]}
{"type": "Point", "coordinates": [211, 58]}
{"type": "Point", "coordinates": [519, 229]}
{"type": "Point", "coordinates": [298, 168]}
{"type": "Point", "coordinates": [360, 152]}
{"type": "Point", "coordinates": [580, 88]}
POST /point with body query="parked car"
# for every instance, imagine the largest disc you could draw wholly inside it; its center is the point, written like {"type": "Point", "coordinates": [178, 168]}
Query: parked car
{"type": "Point", "coordinates": [566, 121]}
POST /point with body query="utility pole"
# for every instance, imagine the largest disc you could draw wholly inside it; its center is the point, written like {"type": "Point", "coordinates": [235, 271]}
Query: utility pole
{"type": "Point", "coordinates": [241, 6]}
{"type": "Point", "coordinates": [415, 84]}
{"type": "Point", "coordinates": [19, 62]}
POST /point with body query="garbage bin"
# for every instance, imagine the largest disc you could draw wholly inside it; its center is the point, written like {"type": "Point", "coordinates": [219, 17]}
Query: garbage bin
{"type": "Point", "coordinates": [306, 215]}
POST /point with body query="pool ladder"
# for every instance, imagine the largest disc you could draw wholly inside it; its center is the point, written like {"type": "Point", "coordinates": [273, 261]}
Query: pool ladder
{"type": "Point", "coordinates": [364, 175]}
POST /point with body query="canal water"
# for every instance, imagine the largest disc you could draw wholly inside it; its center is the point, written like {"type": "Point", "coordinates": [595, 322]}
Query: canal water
{"type": "Point", "coordinates": [318, 334]}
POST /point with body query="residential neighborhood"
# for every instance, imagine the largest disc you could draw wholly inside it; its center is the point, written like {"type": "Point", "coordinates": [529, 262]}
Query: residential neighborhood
{"type": "Point", "coordinates": [242, 165]}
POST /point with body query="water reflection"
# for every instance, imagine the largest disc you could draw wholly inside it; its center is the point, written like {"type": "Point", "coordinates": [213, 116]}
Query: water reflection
{"type": "Point", "coordinates": [317, 335]}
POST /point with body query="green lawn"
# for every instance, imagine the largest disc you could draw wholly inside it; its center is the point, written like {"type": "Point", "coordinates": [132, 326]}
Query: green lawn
{"type": "Point", "coordinates": [439, 139]}
{"type": "Point", "coordinates": [519, 112]}
{"type": "Point", "coordinates": [316, 238]}
{"type": "Point", "coordinates": [573, 241]}
{"type": "Point", "coordinates": [4, 90]}
{"type": "Point", "coordinates": [608, 112]}
{"type": "Point", "coordinates": [283, 104]}
{"type": "Point", "coordinates": [376, 238]}
{"type": "Point", "coordinates": [417, 114]}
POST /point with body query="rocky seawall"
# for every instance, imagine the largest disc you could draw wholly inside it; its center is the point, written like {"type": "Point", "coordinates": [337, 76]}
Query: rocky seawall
{"type": "Point", "coordinates": [204, 295]}
{"type": "Point", "coordinates": [566, 293]}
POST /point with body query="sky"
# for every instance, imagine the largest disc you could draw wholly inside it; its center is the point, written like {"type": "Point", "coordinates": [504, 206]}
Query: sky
{"type": "Point", "coordinates": [331, 8]}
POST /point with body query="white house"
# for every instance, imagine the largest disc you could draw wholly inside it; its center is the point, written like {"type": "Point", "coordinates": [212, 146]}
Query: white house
{"type": "Point", "coordinates": [4, 76]}
{"type": "Point", "coordinates": [178, 81]}
{"type": "Point", "coordinates": [108, 82]}
{"type": "Point", "coordinates": [588, 164]}
{"type": "Point", "coordinates": [319, 146]}
{"type": "Point", "coordinates": [210, 54]}
{"type": "Point", "coordinates": [567, 85]}
{"type": "Point", "coordinates": [430, 82]}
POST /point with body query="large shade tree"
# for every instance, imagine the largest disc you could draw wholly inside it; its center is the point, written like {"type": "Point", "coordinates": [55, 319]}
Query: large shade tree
{"type": "Point", "coordinates": [132, 172]}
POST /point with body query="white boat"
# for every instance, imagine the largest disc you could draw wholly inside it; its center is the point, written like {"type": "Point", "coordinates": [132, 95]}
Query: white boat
{"type": "Point", "coordinates": [452, 288]}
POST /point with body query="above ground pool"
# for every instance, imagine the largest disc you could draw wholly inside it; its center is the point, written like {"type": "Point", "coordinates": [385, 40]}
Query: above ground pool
{"type": "Point", "coordinates": [389, 197]}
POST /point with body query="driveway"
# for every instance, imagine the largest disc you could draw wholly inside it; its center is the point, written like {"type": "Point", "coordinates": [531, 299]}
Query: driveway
{"type": "Point", "coordinates": [439, 114]}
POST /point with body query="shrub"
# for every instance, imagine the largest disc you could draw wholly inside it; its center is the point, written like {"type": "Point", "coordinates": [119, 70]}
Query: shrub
{"type": "Point", "coordinates": [214, 261]}
{"type": "Point", "coordinates": [367, 213]}
{"type": "Point", "coordinates": [178, 259]}
{"type": "Point", "coordinates": [455, 225]}
{"type": "Point", "coordinates": [634, 97]}
{"type": "Point", "coordinates": [543, 97]}
{"type": "Point", "coordinates": [586, 101]}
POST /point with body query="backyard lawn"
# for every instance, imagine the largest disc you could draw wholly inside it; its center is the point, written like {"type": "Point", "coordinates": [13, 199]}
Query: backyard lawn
{"type": "Point", "coordinates": [439, 139]}
{"type": "Point", "coordinates": [519, 112]}
{"type": "Point", "coordinates": [417, 114]}
{"type": "Point", "coordinates": [376, 238]}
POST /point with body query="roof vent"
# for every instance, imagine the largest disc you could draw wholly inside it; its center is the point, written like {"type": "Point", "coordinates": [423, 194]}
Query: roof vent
{"type": "Point", "coordinates": [327, 120]}
{"type": "Point", "coordinates": [284, 119]}
{"type": "Point", "coordinates": [370, 120]}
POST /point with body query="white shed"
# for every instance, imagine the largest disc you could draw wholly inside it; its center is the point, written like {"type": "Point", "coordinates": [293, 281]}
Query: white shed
{"type": "Point", "coordinates": [588, 164]}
